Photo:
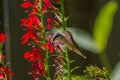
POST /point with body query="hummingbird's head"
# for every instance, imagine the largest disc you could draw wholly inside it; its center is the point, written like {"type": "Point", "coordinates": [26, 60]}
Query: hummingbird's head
{"type": "Point", "coordinates": [68, 34]}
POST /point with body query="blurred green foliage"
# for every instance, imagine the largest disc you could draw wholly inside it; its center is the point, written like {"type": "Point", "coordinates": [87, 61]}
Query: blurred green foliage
{"type": "Point", "coordinates": [97, 73]}
{"type": "Point", "coordinates": [103, 24]}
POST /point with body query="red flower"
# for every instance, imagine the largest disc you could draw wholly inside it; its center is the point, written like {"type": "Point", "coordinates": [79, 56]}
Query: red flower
{"type": "Point", "coordinates": [47, 4]}
{"type": "Point", "coordinates": [49, 21]}
{"type": "Point", "coordinates": [34, 6]}
{"type": "Point", "coordinates": [26, 4]}
{"type": "Point", "coordinates": [38, 69]}
{"type": "Point", "coordinates": [4, 71]}
{"type": "Point", "coordinates": [46, 1]}
{"type": "Point", "coordinates": [30, 35]}
{"type": "Point", "coordinates": [31, 22]}
{"type": "Point", "coordinates": [49, 46]}
{"type": "Point", "coordinates": [57, 1]}
{"type": "Point", "coordinates": [34, 55]}
{"type": "Point", "coordinates": [2, 37]}
{"type": "Point", "coordinates": [48, 26]}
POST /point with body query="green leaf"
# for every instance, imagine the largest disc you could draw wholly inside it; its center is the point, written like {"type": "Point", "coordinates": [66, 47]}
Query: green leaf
{"type": "Point", "coordinates": [74, 69]}
{"type": "Point", "coordinates": [116, 72]}
{"type": "Point", "coordinates": [103, 24]}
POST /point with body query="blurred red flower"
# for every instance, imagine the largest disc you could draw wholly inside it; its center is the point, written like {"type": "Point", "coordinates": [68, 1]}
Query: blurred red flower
{"type": "Point", "coordinates": [2, 57]}
{"type": "Point", "coordinates": [4, 71]}
{"type": "Point", "coordinates": [2, 37]}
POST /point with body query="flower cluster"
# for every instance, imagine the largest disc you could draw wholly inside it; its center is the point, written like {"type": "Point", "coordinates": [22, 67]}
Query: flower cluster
{"type": "Point", "coordinates": [60, 70]}
{"type": "Point", "coordinates": [97, 73]}
{"type": "Point", "coordinates": [4, 69]}
{"type": "Point", "coordinates": [5, 73]}
{"type": "Point", "coordinates": [41, 17]}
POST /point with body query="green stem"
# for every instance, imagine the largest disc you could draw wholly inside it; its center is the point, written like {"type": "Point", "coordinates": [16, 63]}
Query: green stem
{"type": "Point", "coordinates": [68, 65]}
{"type": "Point", "coordinates": [46, 56]}
{"type": "Point", "coordinates": [5, 75]}
{"type": "Point", "coordinates": [41, 14]}
{"type": "Point", "coordinates": [44, 40]}
{"type": "Point", "coordinates": [64, 25]}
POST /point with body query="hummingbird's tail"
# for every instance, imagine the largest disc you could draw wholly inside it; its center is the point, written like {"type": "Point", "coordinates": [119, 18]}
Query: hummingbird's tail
{"type": "Point", "coordinates": [75, 49]}
{"type": "Point", "coordinates": [79, 53]}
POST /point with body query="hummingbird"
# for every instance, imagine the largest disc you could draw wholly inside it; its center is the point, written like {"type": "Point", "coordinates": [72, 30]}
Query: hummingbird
{"type": "Point", "coordinates": [65, 40]}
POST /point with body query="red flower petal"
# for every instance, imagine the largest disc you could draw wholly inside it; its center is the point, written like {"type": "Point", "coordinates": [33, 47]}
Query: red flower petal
{"type": "Point", "coordinates": [51, 48]}
{"type": "Point", "coordinates": [31, 21]}
{"type": "Point", "coordinates": [30, 35]}
{"type": "Point", "coordinates": [47, 4]}
{"type": "Point", "coordinates": [34, 55]}
{"type": "Point", "coordinates": [46, 1]}
{"type": "Point", "coordinates": [2, 37]}
{"type": "Point", "coordinates": [27, 55]}
{"type": "Point", "coordinates": [48, 26]}
{"type": "Point", "coordinates": [45, 7]}
{"type": "Point", "coordinates": [26, 4]}
{"type": "Point", "coordinates": [50, 20]}
{"type": "Point", "coordinates": [57, 1]}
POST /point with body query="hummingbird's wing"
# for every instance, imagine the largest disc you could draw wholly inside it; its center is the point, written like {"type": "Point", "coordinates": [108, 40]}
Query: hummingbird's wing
{"type": "Point", "coordinates": [83, 39]}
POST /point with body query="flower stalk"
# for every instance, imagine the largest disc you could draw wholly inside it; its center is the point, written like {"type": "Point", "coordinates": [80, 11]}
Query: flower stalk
{"type": "Point", "coordinates": [44, 40]}
{"type": "Point", "coordinates": [5, 73]}
{"type": "Point", "coordinates": [64, 25]}
{"type": "Point", "coordinates": [68, 65]}
{"type": "Point", "coordinates": [37, 36]}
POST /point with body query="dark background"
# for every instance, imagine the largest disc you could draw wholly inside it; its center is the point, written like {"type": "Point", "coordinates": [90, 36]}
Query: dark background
{"type": "Point", "coordinates": [83, 14]}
